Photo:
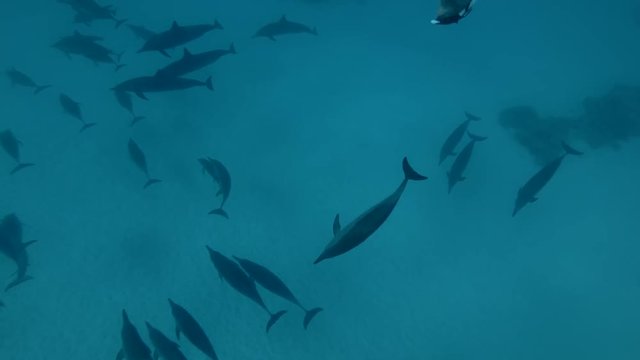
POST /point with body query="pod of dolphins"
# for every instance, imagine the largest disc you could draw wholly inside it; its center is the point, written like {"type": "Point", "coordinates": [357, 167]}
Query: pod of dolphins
{"type": "Point", "coordinates": [241, 274]}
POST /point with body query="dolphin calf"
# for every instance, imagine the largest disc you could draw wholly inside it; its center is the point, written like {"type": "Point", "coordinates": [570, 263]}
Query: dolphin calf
{"type": "Point", "coordinates": [177, 35]}
{"type": "Point", "coordinates": [124, 99]}
{"type": "Point", "coordinates": [88, 10]}
{"type": "Point", "coordinates": [220, 175]}
{"type": "Point", "coordinates": [270, 281]}
{"type": "Point", "coordinates": [12, 246]}
{"type": "Point", "coordinates": [283, 27]}
{"type": "Point", "coordinates": [72, 108]}
{"type": "Point", "coordinates": [133, 347]}
{"type": "Point", "coordinates": [187, 325]}
{"type": "Point", "coordinates": [233, 274]}
{"type": "Point", "coordinates": [192, 62]}
{"type": "Point", "coordinates": [455, 174]}
{"type": "Point", "coordinates": [452, 11]}
{"type": "Point", "coordinates": [145, 84]}
{"type": "Point", "coordinates": [356, 232]}
{"type": "Point", "coordinates": [528, 192]}
{"type": "Point", "coordinates": [165, 348]}
{"type": "Point", "coordinates": [137, 156]}
{"type": "Point", "coordinates": [19, 78]}
{"type": "Point", "coordinates": [11, 145]}
{"type": "Point", "coordinates": [452, 141]}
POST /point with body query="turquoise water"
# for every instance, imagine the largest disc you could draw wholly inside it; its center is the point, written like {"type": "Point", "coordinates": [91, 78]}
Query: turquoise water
{"type": "Point", "coordinates": [310, 126]}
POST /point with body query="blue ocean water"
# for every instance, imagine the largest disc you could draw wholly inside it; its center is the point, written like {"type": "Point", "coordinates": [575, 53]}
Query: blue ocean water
{"type": "Point", "coordinates": [310, 126]}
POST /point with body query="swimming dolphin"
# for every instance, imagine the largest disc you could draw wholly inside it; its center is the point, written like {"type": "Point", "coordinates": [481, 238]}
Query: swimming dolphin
{"type": "Point", "coordinates": [177, 35]}
{"type": "Point", "coordinates": [455, 174]}
{"type": "Point", "coordinates": [233, 274]}
{"type": "Point", "coordinates": [165, 348]}
{"type": "Point", "coordinates": [124, 99]}
{"type": "Point", "coordinates": [273, 283]}
{"type": "Point", "coordinates": [137, 156]}
{"type": "Point", "coordinates": [187, 325]}
{"type": "Point", "coordinates": [192, 62]}
{"type": "Point", "coordinates": [133, 347]}
{"type": "Point", "coordinates": [12, 246]}
{"type": "Point", "coordinates": [452, 11]}
{"type": "Point", "coordinates": [449, 146]}
{"type": "Point", "coordinates": [528, 192]}
{"type": "Point", "coordinates": [355, 233]}
{"type": "Point", "coordinates": [72, 108]}
{"type": "Point", "coordinates": [283, 27]}
{"type": "Point", "coordinates": [141, 32]}
{"type": "Point", "coordinates": [220, 175]}
{"type": "Point", "coordinates": [145, 84]}
{"type": "Point", "coordinates": [19, 78]}
{"type": "Point", "coordinates": [88, 10]}
{"type": "Point", "coordinates": [11, 145]}
{"type": "Point", "coordinates": [88, 47]}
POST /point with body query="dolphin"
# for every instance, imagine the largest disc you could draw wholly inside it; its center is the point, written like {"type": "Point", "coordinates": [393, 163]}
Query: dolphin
{"type": "Point", "coordinates": [124, 99]}
{"type": "Point", "coordinates": [528, 192]}
{"type": "Point", "coordinates": [455, 174]}
{"type": "Point", "coordinates": [164, 347]}
{"type": "Point", "coordinates": [19, 78]}
{"type": "Point", "coordinates": [141, 32]}
{"type": "Point", "coordinates": [11, 246]}
{"type": "Point", "coordinates": [11, 145]}
{"type": "Point", "coordinates": [192, 62]}
{"type": "Point", "coordinates": [145, 84]}
{"type": "Point", "coordinates": [233, 274]}
{"type": "Point", "coordinates": [88, 47]}
{"type": "Point", "coordinates": [270, 281]}
{"type": "Point", "coordinates": [72, 108]}
{"type": "Point", "coordinates": [137, 156]}
{"type": "Point", "coordinates": [449, 146]}
{"type": "Point", "coordinates": [452, 11]}
{"type": "Point", "coordinates": [88, 10]}
{"type": "Point", "coordinates": [283, 27]}
{"type": "Point", "coordinates": [133, 347]}
{"type": "Point", "coordinates": [356, 232]}
{"type": "Point", "coordinates": [220, 175]}
{"type": "Point", "coordinates": [187, 325]}
{"type": "Point", "coordinates": [177, 35]}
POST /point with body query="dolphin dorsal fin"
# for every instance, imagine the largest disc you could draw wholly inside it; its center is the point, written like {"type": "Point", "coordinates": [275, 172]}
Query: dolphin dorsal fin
{"type": "Point", "coordinates": [283, 18]}
{"type": "Point", "coordinates": [336, 225]}
{"type": "Point", "coordinates": [186, 53]}
{"type": "Point", "coordinates": [174, 25]}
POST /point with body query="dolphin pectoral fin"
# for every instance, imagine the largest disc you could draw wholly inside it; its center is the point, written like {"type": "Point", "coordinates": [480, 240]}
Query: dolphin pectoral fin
{"type": "Point", "coordinates": [220, 212]}
{"type": "Point", "coordinates": [120, 355]}
{"type": "Point", "coordinates": [336, 225]}
{"type": "Point", "coordinates": [25, 245]}
{"type": "Point", "coordinates": [18, 281]}
{"type": "Point", "coordinates": [20, 167]}
{"type": "Point", "coordinates": [274, 318]}
{"type": "Point", "coordinates": [141, 95]}
{"type": "Point", "coordinates": [533, 199]}
{"type": "Point", "coordinates": [151, 182]}
{"type": "Point", "coordinates": [165, 53]}
{"type": "Point", "coordinates": [462, 178]}
{"type": "Point", "coordinates": [177, 333]}
{"type": "Point", "coordinates": [309, 316]}
{"type": "Point", "coordinates": [271, 37]}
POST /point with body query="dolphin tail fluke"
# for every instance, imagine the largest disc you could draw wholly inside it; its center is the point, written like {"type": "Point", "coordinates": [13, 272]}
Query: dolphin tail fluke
{"type": "Point", "coordinates": [136, 119]}
{"type": "Point", "coordinates": [309, 315]}
{"type": "Point", "coordinates": [40, 88]}
{"type": "Point", "coordinates": [409, 173]}
{"type": "Point", "coordinates": [475, 137]}
{"type": "Point", "coordinates": [151, 182]}
{"type": "Point", "coordinates": [217, 25]}
{"type": "Point", "coordinates": [472, 117]}
{"type": "Point", "coordinates": [17, 282]}
{"type": "Point", "coordinates": [208, 83]}
{"type": "Point", "coordinates": [569, 150]}
{"type": "Point", "coordinates": [86, 126]}
{"type": "Point", "coordinates": [20, 167]}
{"type": "Point", "coordinates": [220, 212]}
{"type": "Point", "coordinates": [274, 318]}
{"type": "Point", "coordinates": [232, 49]}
